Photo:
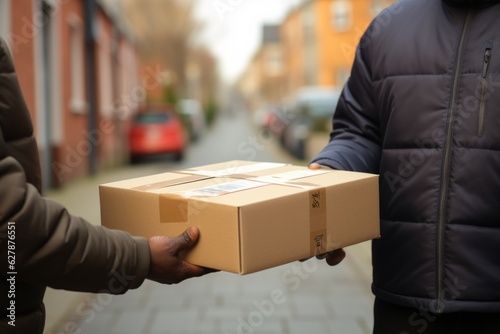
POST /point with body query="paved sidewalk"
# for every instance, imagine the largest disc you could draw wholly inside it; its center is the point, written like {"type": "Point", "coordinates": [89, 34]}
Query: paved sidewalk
{"type": "Point", "coordinates": [296, 298]}
{"type": "Point", "coordinates": [293, 298]}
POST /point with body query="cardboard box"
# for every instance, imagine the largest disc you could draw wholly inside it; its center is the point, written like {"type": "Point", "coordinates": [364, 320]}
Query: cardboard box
{"type": "Point", "coordinates": [251, 215]}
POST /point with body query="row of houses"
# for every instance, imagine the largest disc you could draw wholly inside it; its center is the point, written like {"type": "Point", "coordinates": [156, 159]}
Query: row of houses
{"type": "Point", "coordinates": [76, 64]}
{"type": "Point", "coordinates": [314, 45]}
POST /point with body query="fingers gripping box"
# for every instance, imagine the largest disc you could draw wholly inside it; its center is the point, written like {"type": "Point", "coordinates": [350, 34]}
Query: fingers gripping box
{"type": "Point", "coordinates": [251, 215]}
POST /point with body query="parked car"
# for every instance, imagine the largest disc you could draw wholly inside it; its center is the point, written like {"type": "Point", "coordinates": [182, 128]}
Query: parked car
{"type": "Point", "coordinates": [265, 118]}
{"type": "Point", "coordinates": [192, 112]}
{"type": "Point", "coordinates": [311, 109]}
{"type": "Point", "coordinates": [156, 129]}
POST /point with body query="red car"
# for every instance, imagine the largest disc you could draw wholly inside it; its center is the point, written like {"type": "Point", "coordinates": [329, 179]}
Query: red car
{"type": "Point", "coordinates": [155, 130]}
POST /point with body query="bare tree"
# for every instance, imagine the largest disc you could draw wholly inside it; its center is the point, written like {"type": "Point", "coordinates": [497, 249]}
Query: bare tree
{"type": "Point", "coordinates": [165, 30]}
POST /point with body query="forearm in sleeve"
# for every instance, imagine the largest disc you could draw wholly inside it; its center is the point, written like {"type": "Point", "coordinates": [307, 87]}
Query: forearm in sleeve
{"type": "Point", "coordinates": [355, 139]}
{"type": "Point", "coordinates": [62, 251]}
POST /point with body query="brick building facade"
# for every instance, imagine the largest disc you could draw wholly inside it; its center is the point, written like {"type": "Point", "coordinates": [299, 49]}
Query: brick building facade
{"type": "Point", "coordinates": [76, 65]}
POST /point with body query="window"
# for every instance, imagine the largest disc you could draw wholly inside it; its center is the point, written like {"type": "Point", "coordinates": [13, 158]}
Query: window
{"type": "Point", "coordinates": [5, 19]}
{"type": "Point", "coordinates": [158, 116]}
{"type": "Point", "coordinates": [341, 15]}
{"type": "Point", "coordinates": [274, 60]}
{"type": "Point", "coordinates": [77, 102]}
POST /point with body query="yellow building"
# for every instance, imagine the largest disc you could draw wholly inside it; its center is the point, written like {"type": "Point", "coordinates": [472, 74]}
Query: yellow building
{"type": "Point", "coordinates": [292, 41]}
{"type": "Point", "coordinates": [261, 83]}
{"type": "Point", "coordinates": [320, 37]}
{"type": "Point", "coordinates": [316, 47]}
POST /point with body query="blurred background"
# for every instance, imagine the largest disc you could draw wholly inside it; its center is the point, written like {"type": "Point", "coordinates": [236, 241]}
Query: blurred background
{"type": "Point", "coordinates": [125, 88]}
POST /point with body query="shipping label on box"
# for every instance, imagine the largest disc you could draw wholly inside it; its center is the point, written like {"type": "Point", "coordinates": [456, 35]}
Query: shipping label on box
{"type": "Point", "coordinates": [251, 216]}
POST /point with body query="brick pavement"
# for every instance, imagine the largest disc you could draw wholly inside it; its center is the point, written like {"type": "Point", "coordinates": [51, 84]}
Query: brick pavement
{"type": "Point", "coordinates": [295, 298]}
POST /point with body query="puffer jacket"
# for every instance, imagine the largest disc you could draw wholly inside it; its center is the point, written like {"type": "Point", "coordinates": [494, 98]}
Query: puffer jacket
{"type": "Point", "coordinates": [51, 247]}
{"type": "Point", "coordinates": [422, 110]}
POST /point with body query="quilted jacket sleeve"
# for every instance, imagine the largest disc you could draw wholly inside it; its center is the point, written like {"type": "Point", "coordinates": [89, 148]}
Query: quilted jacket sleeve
{"type": "Point", "coordinates": [52, 247]}
{"type": "Point", "coordinates": [355, 140]}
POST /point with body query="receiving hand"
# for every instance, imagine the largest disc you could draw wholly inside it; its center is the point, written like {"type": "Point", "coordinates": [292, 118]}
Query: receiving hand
{"type": "Point", "coordinates": [166, 265]}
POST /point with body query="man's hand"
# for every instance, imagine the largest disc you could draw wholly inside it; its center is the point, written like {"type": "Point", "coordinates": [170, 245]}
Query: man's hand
{"type": "Point", "coordinates": [166, 265]}
{"type": "Point", "coordinates": [334, 257]}
{"type": "Point", "coordinates": [318, 166]}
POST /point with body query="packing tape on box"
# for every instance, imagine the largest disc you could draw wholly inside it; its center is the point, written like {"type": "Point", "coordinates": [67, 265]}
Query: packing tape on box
{"type": "Point", "coordinates": [317, 220]}
{"type": "Point", "coordinates": [168, 183]}
{"type": "Point", "coordinates": [174, 207]}
{"type": "Point", "coordinates": [317, 205]}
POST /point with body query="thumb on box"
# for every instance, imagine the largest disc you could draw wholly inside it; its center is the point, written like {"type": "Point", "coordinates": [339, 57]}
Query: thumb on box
{"type": "Point", "coordinates": [186, 240]}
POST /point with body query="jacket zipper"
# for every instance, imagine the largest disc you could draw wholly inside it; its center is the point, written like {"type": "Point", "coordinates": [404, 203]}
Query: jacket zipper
{"type": "Point", "coordinates": [445, 172]}
{"type": "Point", "coordinates": [484, 88]}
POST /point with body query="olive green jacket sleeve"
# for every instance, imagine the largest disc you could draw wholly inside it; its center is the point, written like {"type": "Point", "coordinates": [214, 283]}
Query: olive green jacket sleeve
{"type": "Point", "coordinates": [52, 247]}
{"type": "Point", "coordinates": [56, 249]}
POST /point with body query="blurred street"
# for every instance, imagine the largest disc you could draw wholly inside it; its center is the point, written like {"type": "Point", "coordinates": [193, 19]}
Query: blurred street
{"type": "Point", "coordinates": [315, 298]}
{"type": "Point", "coordinates": [108, 82]}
